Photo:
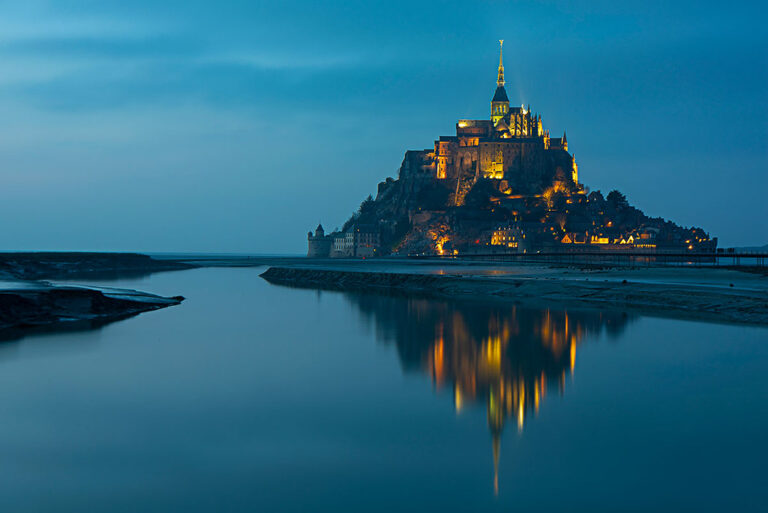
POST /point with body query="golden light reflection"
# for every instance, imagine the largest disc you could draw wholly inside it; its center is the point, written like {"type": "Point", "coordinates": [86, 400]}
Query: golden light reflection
{"type": "Point", "coordinates": [438, 361]}
{"type": "Point", "coordinates": [501, 357]}
{"type": "Point", "coordinates": [573, 354]}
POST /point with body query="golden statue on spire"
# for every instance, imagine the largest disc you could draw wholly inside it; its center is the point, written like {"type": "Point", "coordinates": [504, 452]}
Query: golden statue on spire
{"type": "Point", "coordinates": [500, 80]}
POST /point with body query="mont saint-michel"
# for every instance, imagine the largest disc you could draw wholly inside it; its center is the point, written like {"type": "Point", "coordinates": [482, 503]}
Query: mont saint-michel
{"type": "Point", "coordinates": [500, 185]}
{"type": "Point", "coordinates": [503, 324]}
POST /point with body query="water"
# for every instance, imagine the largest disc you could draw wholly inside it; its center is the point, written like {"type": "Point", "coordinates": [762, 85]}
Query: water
{"type": "Point", "coordinates": [256, 397]}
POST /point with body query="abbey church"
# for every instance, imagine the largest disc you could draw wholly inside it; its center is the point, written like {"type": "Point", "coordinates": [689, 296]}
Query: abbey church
{"type": "Point", "coordinates": [511, 146]}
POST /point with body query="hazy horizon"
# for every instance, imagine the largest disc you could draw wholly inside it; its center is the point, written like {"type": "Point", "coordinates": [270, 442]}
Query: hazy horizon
{"type": "Point", "coordinates": [231, 127]}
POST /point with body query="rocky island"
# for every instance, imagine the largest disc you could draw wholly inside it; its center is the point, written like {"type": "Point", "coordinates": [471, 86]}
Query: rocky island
{"type": "Point", "coordinates": [499, 185]}
{"type": "Point", "coordinates": [504, 187]}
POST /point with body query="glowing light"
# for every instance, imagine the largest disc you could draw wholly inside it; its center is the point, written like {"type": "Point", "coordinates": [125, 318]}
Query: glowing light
{"type": "Point", "coordinates": [439, 243]}
{"type": "Point", "coordinates": [493, 353]}
{"type": "Point", "coordinates": [573, 355]}
{"type": "Point", "coordinates": [438, 359]}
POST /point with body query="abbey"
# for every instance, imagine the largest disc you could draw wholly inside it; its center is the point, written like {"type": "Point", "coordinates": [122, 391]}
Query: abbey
{"type": "Point", "coordinates": [510, 146]}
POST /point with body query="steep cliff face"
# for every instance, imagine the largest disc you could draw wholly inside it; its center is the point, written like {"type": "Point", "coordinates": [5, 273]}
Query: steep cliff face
{"type": "Point", "coordinates": [403, 205]}
{"type": "Point", "coordinates": [412, 188]}
{"type": "Point", "coordinates": [420, 213]}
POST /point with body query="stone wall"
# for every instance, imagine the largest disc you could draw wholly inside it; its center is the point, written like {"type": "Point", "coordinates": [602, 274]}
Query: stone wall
{"type": "Point", "coordinates": [319, 247]}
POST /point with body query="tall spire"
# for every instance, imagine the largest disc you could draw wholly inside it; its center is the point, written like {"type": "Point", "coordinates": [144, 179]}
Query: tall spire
{"type": "Point", "coordinates": [500, 101]}
{"type": "Point", "coordinates": [500, 80]}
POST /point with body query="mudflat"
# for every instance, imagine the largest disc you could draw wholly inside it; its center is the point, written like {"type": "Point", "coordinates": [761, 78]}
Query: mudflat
{"type": "Point", "coordinates": [723, 295]}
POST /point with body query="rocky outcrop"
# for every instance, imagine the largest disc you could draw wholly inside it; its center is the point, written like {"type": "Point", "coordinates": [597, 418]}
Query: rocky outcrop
{"type": "Point", "coordinates": [26, 302]}
{"type": "Point", "coordinates": [41, 304]}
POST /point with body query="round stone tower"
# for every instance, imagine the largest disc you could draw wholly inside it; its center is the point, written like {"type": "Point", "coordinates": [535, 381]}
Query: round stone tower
{"type": "Point", "coordinates": [318, 245]}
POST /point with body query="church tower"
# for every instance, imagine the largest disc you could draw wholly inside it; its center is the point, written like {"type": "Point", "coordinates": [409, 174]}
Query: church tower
{"type": "Point", "coordinates": [500, 102]}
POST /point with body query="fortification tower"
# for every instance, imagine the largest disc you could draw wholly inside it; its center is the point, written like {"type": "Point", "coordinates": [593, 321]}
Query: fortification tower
{"type": "Point", "coordinates": [318, 245]}
{"type": "Point", "coordinates": [500, 102]}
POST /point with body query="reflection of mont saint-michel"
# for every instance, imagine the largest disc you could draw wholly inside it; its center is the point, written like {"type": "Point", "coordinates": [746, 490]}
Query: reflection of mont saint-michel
{"type": "Point", "coordinates": [508, 358]}
{"type": "Point", "coordinates": [500, 185]}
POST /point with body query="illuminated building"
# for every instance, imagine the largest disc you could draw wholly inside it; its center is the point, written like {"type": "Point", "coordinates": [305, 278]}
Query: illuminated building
{"type": "Point", "coordinates": [511, 146]}
{"type": "Point", "coordinates": [510, 236]}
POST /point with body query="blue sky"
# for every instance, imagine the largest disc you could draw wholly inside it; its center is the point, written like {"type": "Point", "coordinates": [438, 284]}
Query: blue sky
{"type": "Point", "coordinates": [237, 126]}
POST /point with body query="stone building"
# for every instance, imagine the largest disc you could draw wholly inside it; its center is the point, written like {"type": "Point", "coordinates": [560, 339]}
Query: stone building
{"type": "Point", "coordinates": [318, 245]}
{"type": "Point", "coordinates": [511, 147]}
{"type": "Point", "coordinates": [367, 240]}
{"type": "Point", "coordinates": [510, 236]}
{"type": "Point", "coordinates": [343, 244]}
{"type": "Point", "coordinates": [358, 241]}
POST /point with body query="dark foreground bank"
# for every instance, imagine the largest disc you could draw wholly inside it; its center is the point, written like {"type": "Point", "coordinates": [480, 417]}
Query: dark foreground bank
{"type": "Point", "coordinates": [26, 302]}
{"type": "Point", "coordinates": [707, 302]}
{"type": "Point", "coordinates": [48, 305]}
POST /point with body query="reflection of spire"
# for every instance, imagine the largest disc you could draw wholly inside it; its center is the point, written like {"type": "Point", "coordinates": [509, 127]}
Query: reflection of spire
{"type": "Point", "coordinates": [500, 80]}
{"type": "Point", "coordinates": [509, 358]}
{"type": "Point", "coordinates": [496, 446]}
{"type": "Point", "coordinates": [496, 424]}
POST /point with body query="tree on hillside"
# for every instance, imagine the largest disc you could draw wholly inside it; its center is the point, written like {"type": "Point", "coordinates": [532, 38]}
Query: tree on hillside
{"type": "Point", "coordinates": [617, 200]}
{"type": "Point", "coordinates": [365, 214]}
{"type": "Point", "coordinates": [367, 206]}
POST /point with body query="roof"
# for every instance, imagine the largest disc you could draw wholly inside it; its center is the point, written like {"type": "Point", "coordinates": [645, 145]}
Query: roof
{"type": "Point", "coordinates": [502, 125]}
{"type": "Point", "coordinates": [500, 95]}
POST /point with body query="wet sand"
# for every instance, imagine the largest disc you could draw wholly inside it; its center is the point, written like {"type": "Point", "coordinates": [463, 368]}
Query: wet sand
{"type": "Point", "coordinates": [721, 295]}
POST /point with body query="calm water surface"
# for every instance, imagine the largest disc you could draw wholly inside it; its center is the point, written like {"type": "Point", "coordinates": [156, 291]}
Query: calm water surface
{"type": "Point", "coordinates": [255, 397]}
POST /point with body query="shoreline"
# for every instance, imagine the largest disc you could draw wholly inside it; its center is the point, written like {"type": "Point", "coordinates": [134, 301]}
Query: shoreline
{"type": "Point", "coordinates": [28, 303]}
{"type": "Point", "coordinates": [704, 302]}
{"type": "Point", "coordinates": [43, 305]}
{"type": "Point", "coordinates": [49, 265]}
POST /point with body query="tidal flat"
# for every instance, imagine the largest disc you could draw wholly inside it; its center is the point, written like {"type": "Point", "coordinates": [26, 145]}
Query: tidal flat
{"type": "Point", "coordinates": [712, 294]}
